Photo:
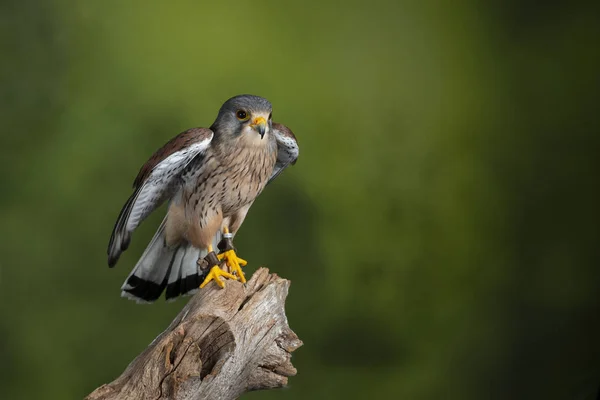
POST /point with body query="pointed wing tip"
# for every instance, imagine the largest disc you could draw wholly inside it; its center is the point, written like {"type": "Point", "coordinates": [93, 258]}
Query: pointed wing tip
{"type": "Point", "coordinates": [112, 262]}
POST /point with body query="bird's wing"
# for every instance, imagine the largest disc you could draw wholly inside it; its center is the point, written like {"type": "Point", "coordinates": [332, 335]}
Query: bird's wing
{"type": "Point", "coordinates": [287, 149]}
{"type": "Point", "coordinates": [157, 181]}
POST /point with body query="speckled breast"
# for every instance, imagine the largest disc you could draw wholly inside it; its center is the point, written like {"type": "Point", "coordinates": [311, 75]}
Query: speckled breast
{"type": "Point", "coordinates": [228, 182]}
{"type": "Point", "coordinates": [247, 175]}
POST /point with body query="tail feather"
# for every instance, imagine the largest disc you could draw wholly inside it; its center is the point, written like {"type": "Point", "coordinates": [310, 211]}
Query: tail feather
{"type": "Point", "coordinates": [163, 267]}
{"type": "Point", "coordinates": [175, 274]}
{"type": "Point", "coordinates": [185, 278]}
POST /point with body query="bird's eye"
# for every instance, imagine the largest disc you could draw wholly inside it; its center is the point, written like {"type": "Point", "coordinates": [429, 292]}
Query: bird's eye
{"type": "Point", "coordinates": [241, 115]}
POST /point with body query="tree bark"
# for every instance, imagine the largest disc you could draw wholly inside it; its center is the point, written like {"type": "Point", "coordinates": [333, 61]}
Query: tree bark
{"type": "Point", "coordinates": [223, 343]}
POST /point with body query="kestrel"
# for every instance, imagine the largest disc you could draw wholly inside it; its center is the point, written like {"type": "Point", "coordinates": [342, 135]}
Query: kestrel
{"type": "Point", "coordinates": [210, 177]}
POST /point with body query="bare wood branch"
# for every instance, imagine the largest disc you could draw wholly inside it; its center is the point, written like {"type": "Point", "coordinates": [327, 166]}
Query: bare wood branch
{"type": "Point", "coordinates": [223, 343]}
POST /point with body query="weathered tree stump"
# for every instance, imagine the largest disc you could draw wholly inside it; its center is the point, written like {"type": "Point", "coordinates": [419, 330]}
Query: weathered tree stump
{"type": "Point", "coordinates": [223, 343]}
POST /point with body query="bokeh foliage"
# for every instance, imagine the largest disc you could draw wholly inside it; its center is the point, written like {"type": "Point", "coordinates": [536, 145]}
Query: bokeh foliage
{"type": "Point", "coordinates": [440, 228]}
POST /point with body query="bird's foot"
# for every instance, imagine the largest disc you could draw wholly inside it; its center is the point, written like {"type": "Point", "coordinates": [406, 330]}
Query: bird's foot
{"type": "Point", "coordinates": [234, 263]}
{"type": "Point", "coordinates": [230, 258]}
{"type": "Point", "coordinates": [215, 271]}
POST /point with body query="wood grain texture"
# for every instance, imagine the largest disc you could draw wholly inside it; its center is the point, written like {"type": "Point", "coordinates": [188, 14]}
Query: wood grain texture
{"type": "Point", "coordinates": [223, 343]}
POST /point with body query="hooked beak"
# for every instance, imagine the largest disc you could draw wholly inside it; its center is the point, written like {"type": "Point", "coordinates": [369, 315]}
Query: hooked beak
{"type": "Point", "coordinates": [259, 124]}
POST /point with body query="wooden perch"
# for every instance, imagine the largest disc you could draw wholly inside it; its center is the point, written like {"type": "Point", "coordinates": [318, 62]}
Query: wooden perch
{"type": "Point", "coordinates": [223, 343]}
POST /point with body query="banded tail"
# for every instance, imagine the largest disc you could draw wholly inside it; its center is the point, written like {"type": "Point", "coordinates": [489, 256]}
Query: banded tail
{"type": "Point", "coordinates": [163, 267]}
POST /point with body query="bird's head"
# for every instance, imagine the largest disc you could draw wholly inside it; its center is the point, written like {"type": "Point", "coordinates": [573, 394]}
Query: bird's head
{"type": "Point", "coordinates": [245, 115]}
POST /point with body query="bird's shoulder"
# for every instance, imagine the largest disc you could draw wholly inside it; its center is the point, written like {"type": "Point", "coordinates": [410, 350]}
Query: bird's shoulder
{"type": "Point", "coordinates": [285, 131]}
{"type": "Point", "coordinates": [181, 142]}
{"type": "Point", "coordinates": [287, 144]}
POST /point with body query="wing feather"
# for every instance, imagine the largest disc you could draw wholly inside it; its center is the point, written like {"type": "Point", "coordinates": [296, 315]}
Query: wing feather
{"type": "Point", "coordinates": [287, 149]}
{"type": "Point", "coordinates": [157, 181]}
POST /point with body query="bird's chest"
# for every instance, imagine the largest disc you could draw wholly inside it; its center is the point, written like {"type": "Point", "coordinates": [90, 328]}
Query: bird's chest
{"type": "Point", "coordinates": [230, 182]}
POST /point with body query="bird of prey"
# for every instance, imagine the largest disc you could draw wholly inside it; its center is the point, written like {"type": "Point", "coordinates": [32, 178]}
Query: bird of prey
{"type": "Point", "coordinates": [210, 177]}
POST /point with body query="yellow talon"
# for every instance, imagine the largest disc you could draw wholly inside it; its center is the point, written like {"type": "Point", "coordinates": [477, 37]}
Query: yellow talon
{"type": "Point", "coordinates": [214, 274]}
{"type": "Point", "coordinates": [234, 263]}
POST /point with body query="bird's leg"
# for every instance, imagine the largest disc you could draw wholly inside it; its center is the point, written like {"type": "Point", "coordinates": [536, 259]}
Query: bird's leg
{"type": "Point", "coordinates": [215, 270]}
{"type": "Point", "coordinates": [228, 255]}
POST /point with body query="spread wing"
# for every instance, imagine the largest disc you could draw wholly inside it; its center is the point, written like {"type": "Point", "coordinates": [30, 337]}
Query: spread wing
{"type": "Point", "coordinates": [156, 182]}
{"type": "Point", "coordinates": [287, 149]}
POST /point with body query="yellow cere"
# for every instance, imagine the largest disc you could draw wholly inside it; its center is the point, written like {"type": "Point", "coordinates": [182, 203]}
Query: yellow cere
{"type": "Point", "coordinates": [259, 121]}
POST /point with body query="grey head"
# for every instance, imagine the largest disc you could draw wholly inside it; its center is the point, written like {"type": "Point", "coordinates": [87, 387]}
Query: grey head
{"type": "Point", "coordinates": [245, 114]}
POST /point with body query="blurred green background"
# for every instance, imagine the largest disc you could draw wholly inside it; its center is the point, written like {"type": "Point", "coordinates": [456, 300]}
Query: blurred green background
{"type": "Point", "coordinates": [440, 229]}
